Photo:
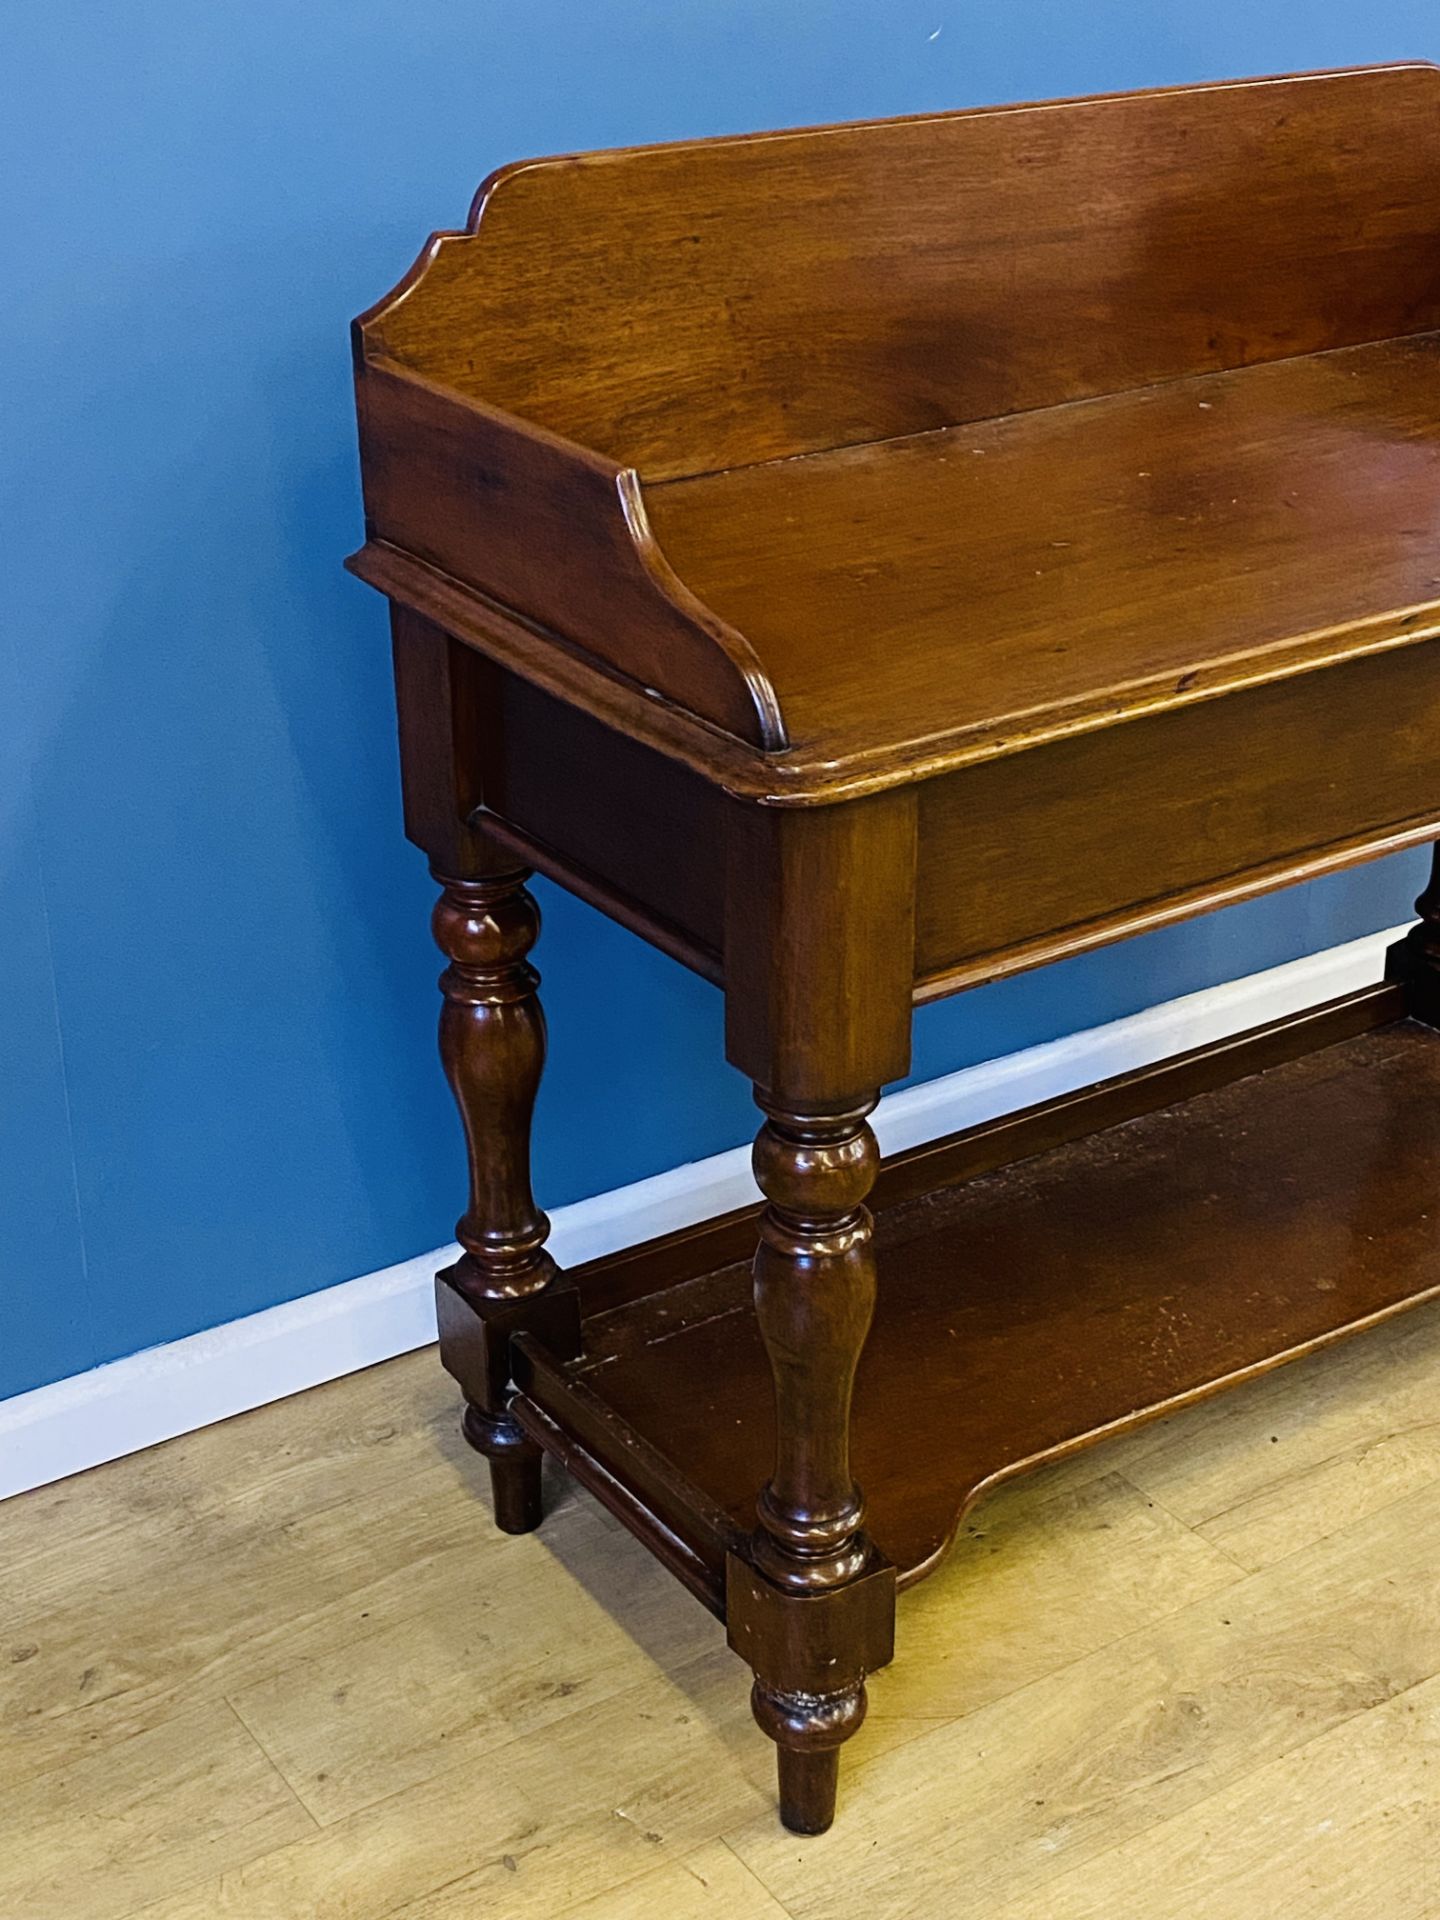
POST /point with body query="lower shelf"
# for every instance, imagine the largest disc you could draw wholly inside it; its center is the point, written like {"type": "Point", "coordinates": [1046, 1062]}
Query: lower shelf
{"type": "Point", "coordinates": [1087, 1284]}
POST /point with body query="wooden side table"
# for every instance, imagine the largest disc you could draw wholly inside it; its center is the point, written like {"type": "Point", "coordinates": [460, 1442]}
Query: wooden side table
{"type": "Point", "coordinates": [865, 562]}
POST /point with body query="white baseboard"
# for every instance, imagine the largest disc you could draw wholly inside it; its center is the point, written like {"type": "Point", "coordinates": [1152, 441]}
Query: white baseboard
{"type": "Point", "coordinates": [152, 1396]}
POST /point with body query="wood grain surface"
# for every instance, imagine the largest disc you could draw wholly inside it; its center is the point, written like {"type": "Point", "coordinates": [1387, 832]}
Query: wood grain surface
{"type": "Point", "coordinates": [877, 448]}
{"type": "Point", "coordinates": [1024, 1311]}
{"type": "Point", "coordinates": [710, 304]}
{"type": "Point", "coordinates": [968, 591]}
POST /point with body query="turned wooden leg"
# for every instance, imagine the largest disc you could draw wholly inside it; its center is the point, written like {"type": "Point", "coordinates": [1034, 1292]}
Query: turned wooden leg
{"type": "Point", "coordinates": [814, 1298]}
{"type": "Point", "coordinates": [819, 973]}
{"type": "Point", "coordinates": [1415, 960]}
{"type": "Point", "coordinates": [492, 1043]}
{"type": "Point", "coordinates": [814, 1607]}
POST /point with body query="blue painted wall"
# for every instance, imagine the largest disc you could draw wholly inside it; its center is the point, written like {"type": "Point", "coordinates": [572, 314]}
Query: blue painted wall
{"type": "Point", "coordinates": [216, 985]}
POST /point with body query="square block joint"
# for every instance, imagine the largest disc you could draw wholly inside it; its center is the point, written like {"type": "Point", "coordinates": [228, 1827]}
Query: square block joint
{"type": "Point", "coordinates": [811, 1643]}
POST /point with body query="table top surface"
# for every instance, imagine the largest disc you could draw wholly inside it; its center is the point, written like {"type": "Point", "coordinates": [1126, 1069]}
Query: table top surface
{"type": "Point", "coordinates": [970, 588]}
{"type": "Point", "coordinates": [838, 458]}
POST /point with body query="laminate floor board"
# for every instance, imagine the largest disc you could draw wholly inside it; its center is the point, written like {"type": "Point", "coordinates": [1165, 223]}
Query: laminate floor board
{"type": "Point", "coordinates": [286, 1669]}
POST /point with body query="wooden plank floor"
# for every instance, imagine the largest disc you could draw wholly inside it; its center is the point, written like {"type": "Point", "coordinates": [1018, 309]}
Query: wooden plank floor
{"type": "Point", "coordinates": [285, 1669]}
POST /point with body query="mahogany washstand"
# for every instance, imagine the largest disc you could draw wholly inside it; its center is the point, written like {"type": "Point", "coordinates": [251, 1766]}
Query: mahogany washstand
{"type": "Point", "coordinates": [865, 562]}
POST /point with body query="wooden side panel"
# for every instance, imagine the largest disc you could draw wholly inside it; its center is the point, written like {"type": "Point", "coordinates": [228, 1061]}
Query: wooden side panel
{"type": "Point", "coordinates": [704, 305]}
{"type": "Point", "coordinates": [1028, 858]}
{"type": "Point", "coordinates": [638, 835]}
{"type": "Point", "coordinates": [555, 532]}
